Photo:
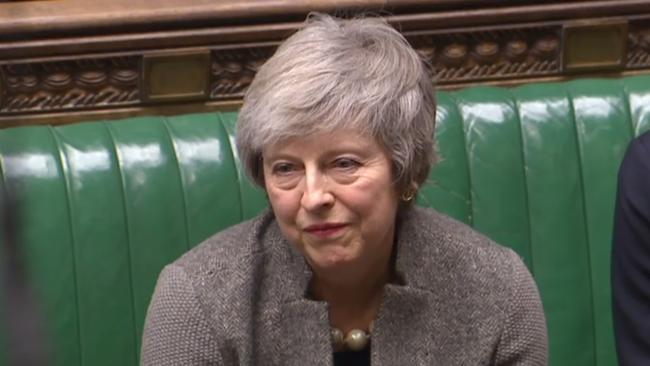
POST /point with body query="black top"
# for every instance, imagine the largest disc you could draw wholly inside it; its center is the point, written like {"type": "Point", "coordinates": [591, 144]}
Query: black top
{"type": "Point", "coordinates": [631, 256]}
{"type": "Point", "coordinates": [352, 358]}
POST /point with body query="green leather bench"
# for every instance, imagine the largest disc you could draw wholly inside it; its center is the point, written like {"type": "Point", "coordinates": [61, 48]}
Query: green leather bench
{"type": "Point", "coordinates": [106, 204]}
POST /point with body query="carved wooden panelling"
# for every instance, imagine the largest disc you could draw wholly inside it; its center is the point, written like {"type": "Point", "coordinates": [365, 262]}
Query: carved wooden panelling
{"type": "Point", "coordinates": [456, 58]}
{"type": "Point", "coordinates": [496, 54]}
{"type": "Point", "coordinates": [46, 77]}
{"type": "Point", "coordinates": [73, 84]}
{"type": "Point", "coordinates": [234, 69]}
{"type": "Point", "coordinates": [639, 45]}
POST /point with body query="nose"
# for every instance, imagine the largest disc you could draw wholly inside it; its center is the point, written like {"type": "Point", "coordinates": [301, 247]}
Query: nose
{"type": "Point", "coordinates": [316, 193]}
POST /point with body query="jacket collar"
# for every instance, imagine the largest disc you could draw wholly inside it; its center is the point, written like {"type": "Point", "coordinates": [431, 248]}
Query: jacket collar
{"type": "Point", "coordinates": [297, 273]}
{"type": "Point", "coordinates": [305, 323]}
{"type": "Point", "coordinates": [406, 306]}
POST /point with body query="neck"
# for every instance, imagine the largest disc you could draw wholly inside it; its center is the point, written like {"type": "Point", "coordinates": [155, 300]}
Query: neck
{"type": "Point", "coordinates": [353, 295]}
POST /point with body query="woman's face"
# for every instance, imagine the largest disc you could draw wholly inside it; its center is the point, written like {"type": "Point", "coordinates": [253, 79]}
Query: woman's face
{"type": "Point", "coordinates": [333, 197]}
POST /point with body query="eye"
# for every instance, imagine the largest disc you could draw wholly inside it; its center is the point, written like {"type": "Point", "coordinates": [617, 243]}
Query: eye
{"type": "Point", "coordinates": [283, 168]}
{"type": "Point", "coordinates": [346, 163]}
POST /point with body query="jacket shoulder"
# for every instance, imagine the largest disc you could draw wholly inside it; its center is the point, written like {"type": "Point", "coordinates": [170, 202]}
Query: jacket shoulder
{"type": "Point", "coordinates": [227, 261]}
{"type": "Point", "coordinates": [226, 249]}
{"type": "Point", "coordinates": [449, 253]}
{"type": "Point", "coordinates": [197, 304]}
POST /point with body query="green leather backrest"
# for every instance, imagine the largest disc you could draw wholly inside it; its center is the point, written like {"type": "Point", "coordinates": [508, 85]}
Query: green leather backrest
{"type": "Point", "coordinates": [105, 205]}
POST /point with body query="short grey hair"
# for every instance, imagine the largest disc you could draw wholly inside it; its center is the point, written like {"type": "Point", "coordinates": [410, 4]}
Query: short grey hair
{"type": "Point", "coordinates": [333, 73]}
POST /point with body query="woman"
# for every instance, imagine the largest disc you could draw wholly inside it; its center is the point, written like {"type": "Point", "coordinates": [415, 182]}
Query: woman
{"type": "Point", "coordinates": [337, 128]}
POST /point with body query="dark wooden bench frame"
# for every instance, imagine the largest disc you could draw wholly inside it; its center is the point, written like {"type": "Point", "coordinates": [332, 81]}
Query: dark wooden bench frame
{"type": "Point", "coordinates": [62, 62]}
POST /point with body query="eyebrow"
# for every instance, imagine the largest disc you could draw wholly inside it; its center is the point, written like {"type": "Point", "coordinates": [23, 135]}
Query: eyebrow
{"type": "Point", "coordinates": [280, 156]}
{"type": "Point", "coordinates": [361, 150]}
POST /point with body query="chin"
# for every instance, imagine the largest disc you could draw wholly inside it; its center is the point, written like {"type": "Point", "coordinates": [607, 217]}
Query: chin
{"type": "Point", "coordinates": [333, 259]}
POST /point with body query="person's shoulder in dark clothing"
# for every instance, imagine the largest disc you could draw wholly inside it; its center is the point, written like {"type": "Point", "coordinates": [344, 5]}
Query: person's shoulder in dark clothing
{"type": "Point", "coordinates": [631, 256]}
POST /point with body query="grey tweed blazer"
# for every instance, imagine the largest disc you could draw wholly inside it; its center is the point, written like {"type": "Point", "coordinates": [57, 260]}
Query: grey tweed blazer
{"type": "Point", "coordinates": [239, 299]}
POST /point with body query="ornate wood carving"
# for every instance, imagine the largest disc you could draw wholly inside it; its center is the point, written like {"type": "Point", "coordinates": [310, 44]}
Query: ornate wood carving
{"type": "Point", "coordinates": [638, 55]}
{"type": "Point", "coordinates": [70, 84]}
{"type": "Point", "coordinates": [492, 54]}
{"type": "Point", "coordinates": [234, 69]}
{"type": "Point", "coordinates": [455, 57]}
{"type": "Point", "coordinates": [58, 66]}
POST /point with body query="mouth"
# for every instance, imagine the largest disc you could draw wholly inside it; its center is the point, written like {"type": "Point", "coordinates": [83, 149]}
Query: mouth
{"type": "Point", "coordinates": [325, 231]}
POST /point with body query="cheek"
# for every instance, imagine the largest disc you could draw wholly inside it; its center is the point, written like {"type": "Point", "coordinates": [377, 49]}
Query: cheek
{"type": "Point", "coordinates": [284, 205]}
{"type": "Point", "coordinates": [285, 209]}
{"type": "Point", "coordinates": [376, 203]}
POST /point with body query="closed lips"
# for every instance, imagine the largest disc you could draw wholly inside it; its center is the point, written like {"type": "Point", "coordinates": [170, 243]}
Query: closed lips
{"type": "Point", "coordinates": [325, 230]}
{"type": "Point", "coordinates": [324, 227]}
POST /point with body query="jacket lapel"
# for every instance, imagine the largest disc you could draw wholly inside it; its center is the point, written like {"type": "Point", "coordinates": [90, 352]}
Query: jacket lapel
{"type": "Point", "coordinates": [304, 323]}
{"type": "Point", "coordinates": [397, 337]}
{"type": "Point", "coordinates": [305, 334]}
{"type": "Point", "coordinates": [413, 326]}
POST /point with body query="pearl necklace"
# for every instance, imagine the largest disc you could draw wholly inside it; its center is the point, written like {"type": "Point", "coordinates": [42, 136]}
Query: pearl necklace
{"type": "Point", "coordinates": [355, 340]}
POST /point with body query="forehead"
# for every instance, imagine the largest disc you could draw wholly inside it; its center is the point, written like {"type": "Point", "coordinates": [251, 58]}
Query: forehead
{"type": "Point", "coordinates": [325, 142]}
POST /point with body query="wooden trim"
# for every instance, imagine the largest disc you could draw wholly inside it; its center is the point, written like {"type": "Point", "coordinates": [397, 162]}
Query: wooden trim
{"type": "Point", "coordinates": [50, 69]}
{"type": "Point", "coordinates": [60, 118]}
{"type": "Point", "coordinates": [101, 16]}
{"type": "Point", "coordinates": [594, 45]}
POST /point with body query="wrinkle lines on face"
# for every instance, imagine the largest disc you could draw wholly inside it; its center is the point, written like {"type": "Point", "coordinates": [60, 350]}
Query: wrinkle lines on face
{"type": "Point", "coordinates": [333, 196]}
